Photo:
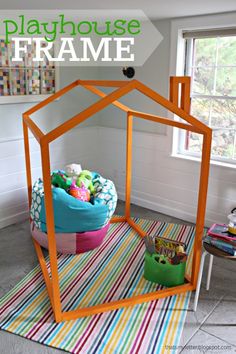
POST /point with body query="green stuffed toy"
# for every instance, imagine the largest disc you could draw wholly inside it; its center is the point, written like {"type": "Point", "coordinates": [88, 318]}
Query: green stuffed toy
{"type": "Point", "coordinates": [85, 178]}
{"type": "Point", "coordinates": [61, 180]}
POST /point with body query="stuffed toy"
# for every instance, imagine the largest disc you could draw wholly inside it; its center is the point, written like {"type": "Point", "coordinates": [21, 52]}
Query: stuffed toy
{"type": "Point", "coordinates": [81, 193]}
{"type": "Point", "coordinates": [61, 180]}
{"type": "Point", "coordinates": [73, 170]}
{"type": "Point", "coordinates": [85, 178]}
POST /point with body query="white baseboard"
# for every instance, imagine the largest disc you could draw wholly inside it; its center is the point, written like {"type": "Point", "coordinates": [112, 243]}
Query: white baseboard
{"type": "Point", "coordinates": [13, 219]}
{"type": "Point", "coordinates": [161, 208]}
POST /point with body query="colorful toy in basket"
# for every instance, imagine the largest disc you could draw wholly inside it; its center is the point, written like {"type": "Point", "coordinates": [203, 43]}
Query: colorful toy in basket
{"type": "Point", "coordinates": [61, 180]}
{"type": "Point", "coordinates": [165, 261]}
{"type": "Point", "coordinates": [85, 178]}
{"type": "Point", "coordinates": [81, 193]}
{"type": "Point", "coordinates": [73, 170]}
{"type": "Point", "coordinates": [76, 182]}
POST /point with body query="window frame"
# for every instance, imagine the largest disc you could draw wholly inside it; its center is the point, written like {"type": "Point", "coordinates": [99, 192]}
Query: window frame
{"type": "Point", "coordinates": [182, 135]}
{"type": "Point", "coordinates": [14, 99]}
{"type": "Point", "coordinates": [177, 52]}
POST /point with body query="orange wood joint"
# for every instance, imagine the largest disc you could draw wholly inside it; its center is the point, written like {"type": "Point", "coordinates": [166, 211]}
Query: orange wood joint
{"type": "Point", "coordinates": [100, 93]}
{"type": "Point", "coordinates": [35, 130]}
{"type": "Point", "coordinates": [136, 228]}
{"type": "Point", "coordinates": [179, 104]}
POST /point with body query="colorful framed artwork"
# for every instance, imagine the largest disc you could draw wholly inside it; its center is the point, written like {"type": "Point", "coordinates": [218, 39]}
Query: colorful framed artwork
{"type": "Point", "coordinates": [28, 80]}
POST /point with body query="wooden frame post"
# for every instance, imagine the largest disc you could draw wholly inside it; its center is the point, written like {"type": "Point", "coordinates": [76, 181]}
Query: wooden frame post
{"type": "Point", "coordinates": [56, 302]}
{"type": "Point", "coordinates": [122, 88]}
{"type": "Point", "coordinates": [128, 164]}
{"type": "Point", "coordinates": [201, 210]}
{"type": "Point", "coordinates": [27, 162]}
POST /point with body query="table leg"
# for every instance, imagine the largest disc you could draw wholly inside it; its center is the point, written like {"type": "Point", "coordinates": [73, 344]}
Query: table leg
{"type": "Point", "coordinates": [209, 272]}
{"type": "Point", "coordinates": [199, 281]}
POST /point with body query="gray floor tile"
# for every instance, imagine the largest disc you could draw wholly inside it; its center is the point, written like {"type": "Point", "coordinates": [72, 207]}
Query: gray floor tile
{"type": "Point", "coordinates": [203, 342]}
{"type": "Point", "coordinates": [17, 255]}
{"type": "Point", "coordinates": [191, 326]}
{"type": "Point", "coordinates": [208, 300]}
{"type": "Point", "coordinates": [223, 275]}
{"type": "Point", "coordinates": [13, 344]}
{"type": "Point", "coordinates": [222, 322]}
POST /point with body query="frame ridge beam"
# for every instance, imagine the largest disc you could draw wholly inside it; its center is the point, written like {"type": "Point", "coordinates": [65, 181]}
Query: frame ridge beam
{"type": "Point", "coordinates": [105, 83]}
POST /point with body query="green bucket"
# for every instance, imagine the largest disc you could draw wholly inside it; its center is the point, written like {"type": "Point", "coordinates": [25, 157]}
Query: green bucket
{"type": "Point", "coordinates": [163, 273]}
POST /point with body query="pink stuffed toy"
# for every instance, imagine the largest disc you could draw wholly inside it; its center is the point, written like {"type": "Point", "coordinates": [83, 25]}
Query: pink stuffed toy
{"type": "Point", "coordinates": [81, 193]}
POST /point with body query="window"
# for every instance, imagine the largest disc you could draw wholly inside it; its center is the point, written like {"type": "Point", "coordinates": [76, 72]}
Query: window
{"type": "Point", "coordinates": [211, 63]}
{"type": "Point", "coordinates": [27, 80]}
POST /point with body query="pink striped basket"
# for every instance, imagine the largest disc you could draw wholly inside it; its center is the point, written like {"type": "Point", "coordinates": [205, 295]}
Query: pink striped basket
{"type": "Point", "coordinates": [72, 243]}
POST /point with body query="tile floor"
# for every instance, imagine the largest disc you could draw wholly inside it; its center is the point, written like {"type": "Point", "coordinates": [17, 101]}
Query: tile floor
{"type": "Point", "coordinates": [211, 329]}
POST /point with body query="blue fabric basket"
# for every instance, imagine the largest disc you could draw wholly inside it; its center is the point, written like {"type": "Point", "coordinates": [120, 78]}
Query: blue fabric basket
{"type": "Point", "coordinates": [71, 214]}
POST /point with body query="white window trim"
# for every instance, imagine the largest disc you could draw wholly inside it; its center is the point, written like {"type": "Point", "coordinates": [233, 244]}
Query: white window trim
{"type": "Point", "coordinates": [177, 60]}
{"type": "Point", "coordinates": [30, 98]}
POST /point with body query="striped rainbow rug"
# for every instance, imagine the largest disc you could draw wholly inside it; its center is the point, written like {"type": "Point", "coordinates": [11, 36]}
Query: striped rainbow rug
{"type": "Point", "coordinates": [111, 272]}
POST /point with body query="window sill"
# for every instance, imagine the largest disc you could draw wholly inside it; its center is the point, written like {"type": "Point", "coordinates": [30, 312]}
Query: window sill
{"type": "Point", "coordinates": [22, 99]}
{"type": "Point", "coordinates": [197, 159]}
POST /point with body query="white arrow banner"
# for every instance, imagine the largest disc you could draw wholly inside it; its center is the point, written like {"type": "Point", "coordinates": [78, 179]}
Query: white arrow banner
{"type": "Point", "coordinates": [79, 37]}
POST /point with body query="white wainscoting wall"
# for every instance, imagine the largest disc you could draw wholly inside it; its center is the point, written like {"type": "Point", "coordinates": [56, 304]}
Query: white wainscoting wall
{"type": "Point", "coordinates": [74, 146]}
{"type": "Point", "coordinates": [160, 182]}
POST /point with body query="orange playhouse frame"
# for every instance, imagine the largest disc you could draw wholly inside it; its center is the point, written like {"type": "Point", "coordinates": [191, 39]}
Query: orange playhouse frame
{"type": "Point", "coordinates": [179, 104]}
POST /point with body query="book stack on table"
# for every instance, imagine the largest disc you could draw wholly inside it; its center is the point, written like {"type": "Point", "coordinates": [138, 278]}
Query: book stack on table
{"type": "Point", "coordinates": [219, 237]}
